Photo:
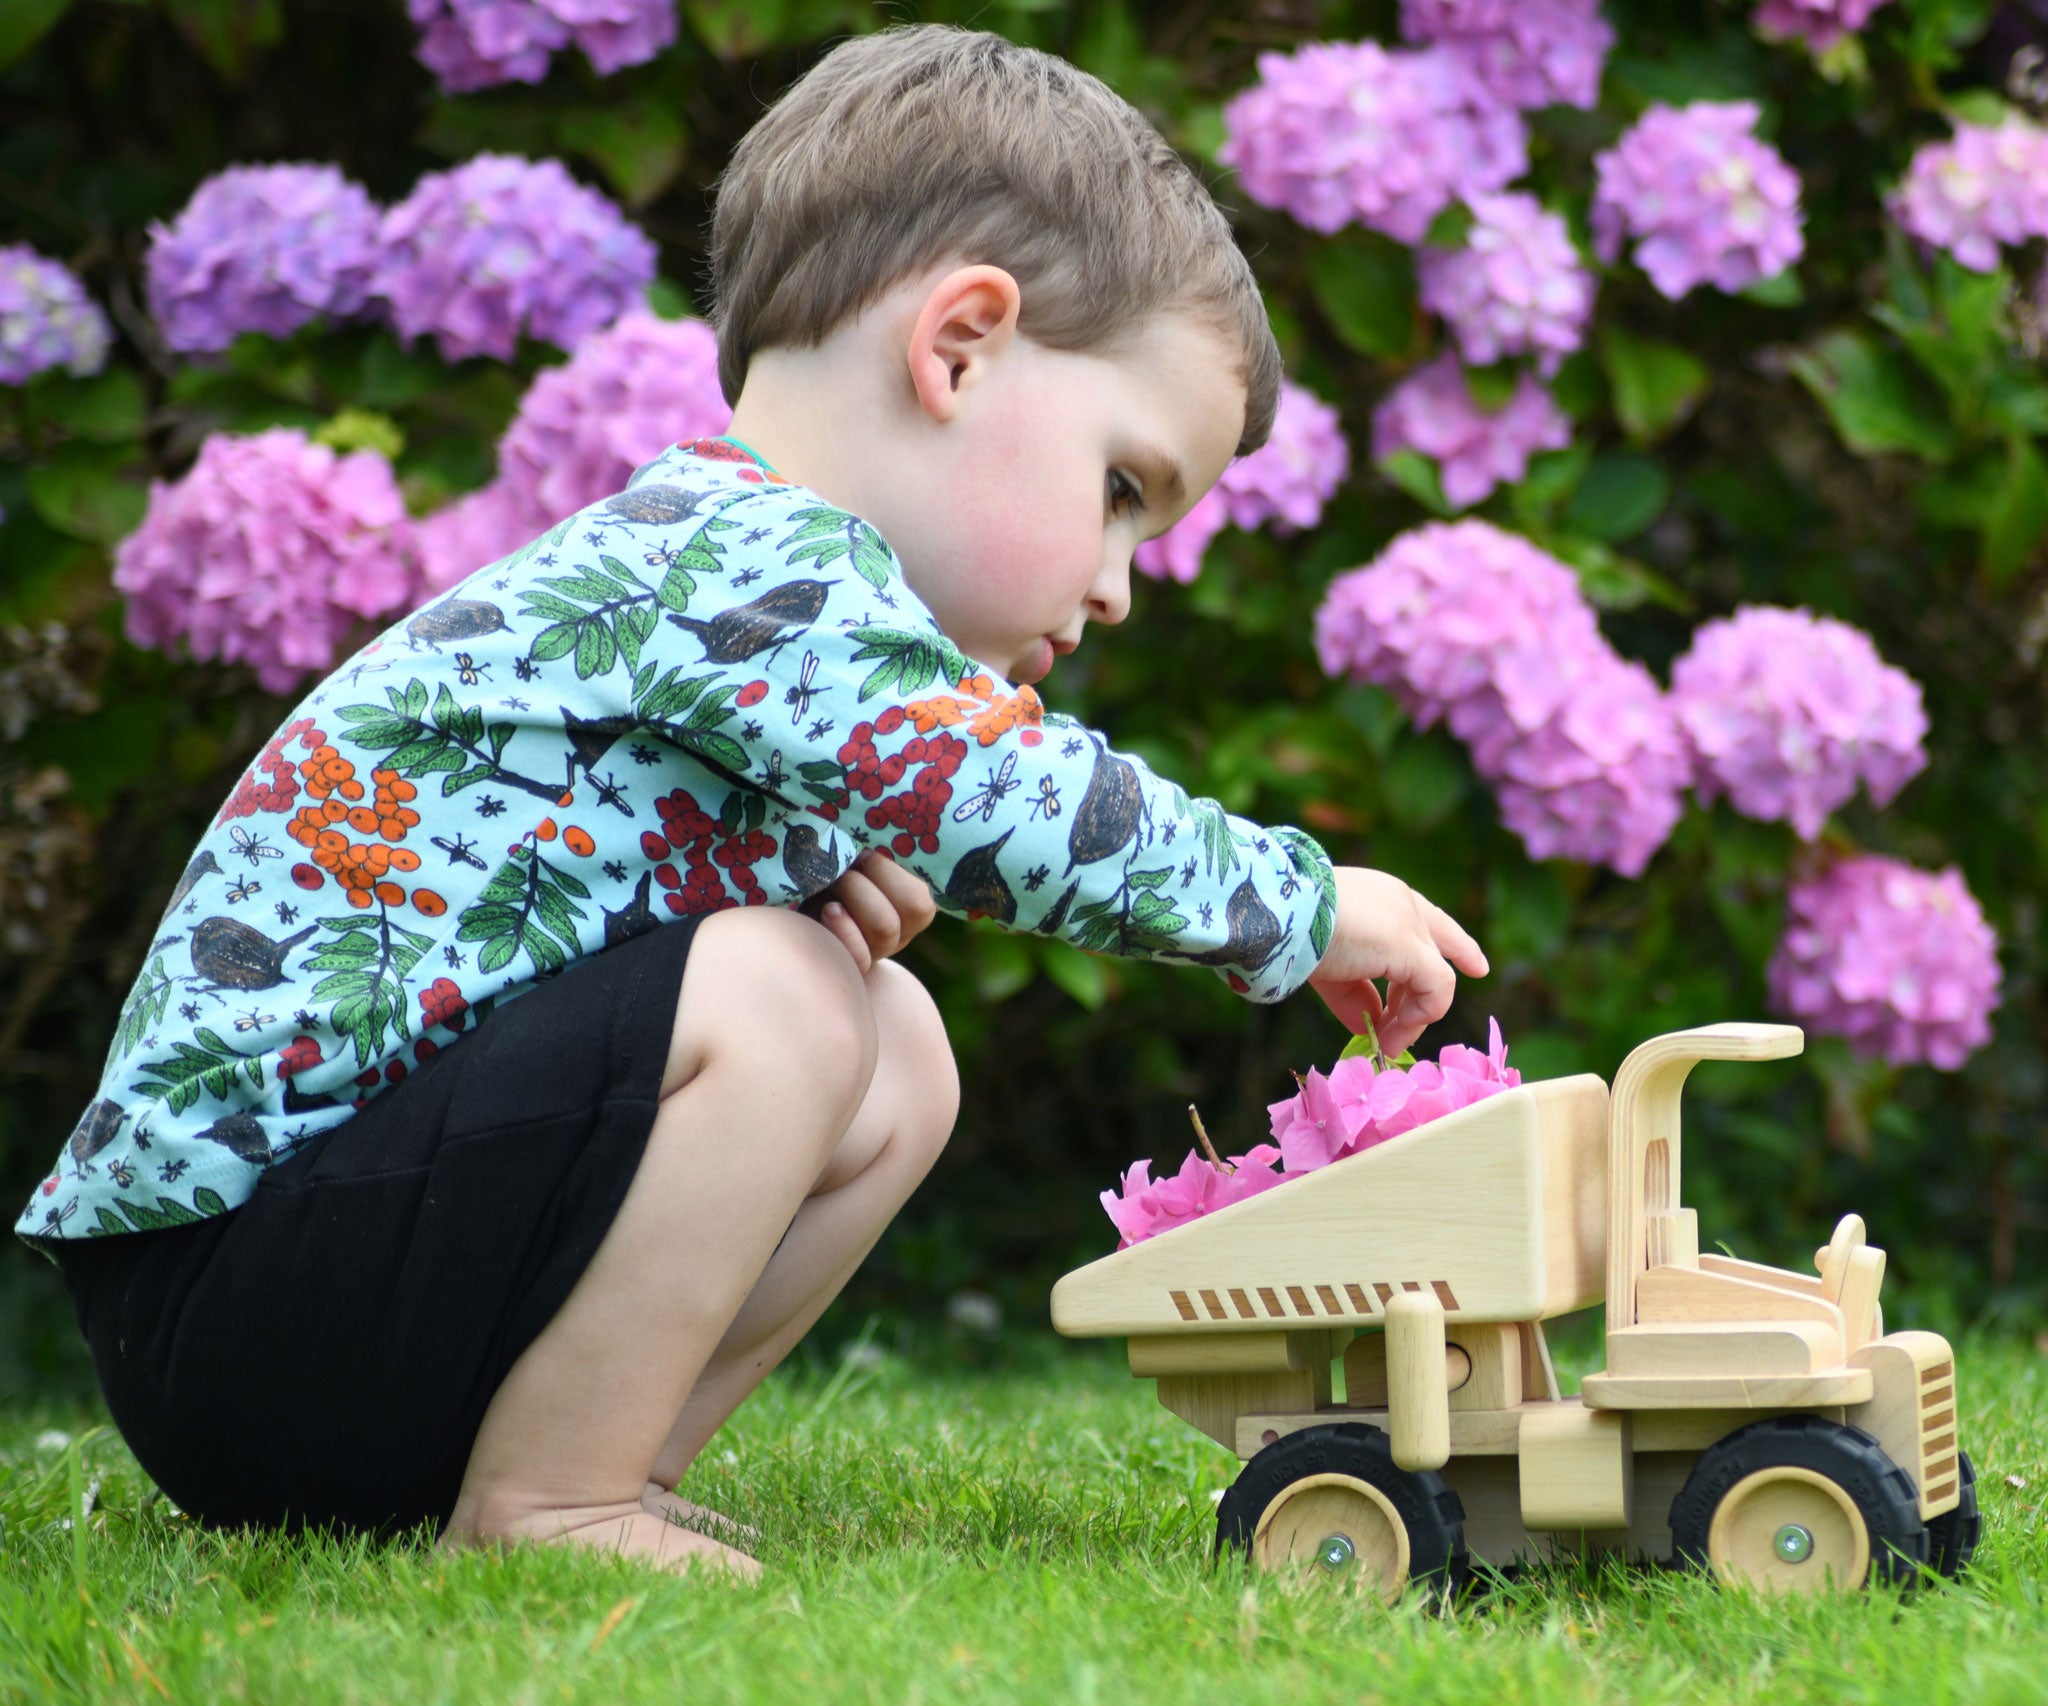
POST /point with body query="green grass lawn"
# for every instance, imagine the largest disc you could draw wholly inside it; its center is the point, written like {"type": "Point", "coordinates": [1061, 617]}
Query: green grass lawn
{"type": "Point", "coordinates": [1036, 1532]}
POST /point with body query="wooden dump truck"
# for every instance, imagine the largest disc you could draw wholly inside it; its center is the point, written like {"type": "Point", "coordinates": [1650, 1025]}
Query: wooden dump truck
{"type": "Point", "coordinates": [1750, 1420]}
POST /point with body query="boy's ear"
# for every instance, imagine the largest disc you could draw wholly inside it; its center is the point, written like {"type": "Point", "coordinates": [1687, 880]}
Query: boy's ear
{"type": "Point", "coordinates": [970, 316]}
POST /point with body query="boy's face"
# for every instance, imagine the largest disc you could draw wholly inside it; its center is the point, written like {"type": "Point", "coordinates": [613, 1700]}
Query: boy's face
{"type": "Point", "coordinates": [1055, 467]}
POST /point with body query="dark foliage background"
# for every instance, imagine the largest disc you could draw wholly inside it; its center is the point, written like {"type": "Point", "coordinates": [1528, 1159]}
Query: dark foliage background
{"type": "Point", "coordinates": [1886, 472]}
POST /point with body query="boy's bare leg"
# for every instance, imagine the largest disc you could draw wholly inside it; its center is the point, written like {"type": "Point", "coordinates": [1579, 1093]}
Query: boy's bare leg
{"type": "Point", "coordinates": [771, 1062]}
{"type": "Point", "coordinates": [897, 1135]}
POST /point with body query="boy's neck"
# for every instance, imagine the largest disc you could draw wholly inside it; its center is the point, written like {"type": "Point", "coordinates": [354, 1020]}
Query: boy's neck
{"type": "Point", "coordinates": [816, 417]}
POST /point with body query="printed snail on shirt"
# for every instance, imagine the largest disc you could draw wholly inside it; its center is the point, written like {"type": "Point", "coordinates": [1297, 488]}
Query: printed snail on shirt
{"type": "Point", "coordinates": [707, 691]}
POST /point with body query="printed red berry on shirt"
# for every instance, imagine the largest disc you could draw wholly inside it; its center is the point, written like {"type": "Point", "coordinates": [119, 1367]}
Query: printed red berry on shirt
{"type": "Point", "coordinates": [752, 694]}
{"type": "Point", "coordinates": [302, 1053]}
{"type": "Point", "coordinates": [441, 1003]}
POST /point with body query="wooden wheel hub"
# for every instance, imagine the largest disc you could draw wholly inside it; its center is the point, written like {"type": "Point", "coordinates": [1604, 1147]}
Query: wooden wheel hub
{"type": "Point", "coordinates": [1789, 1530]}
{"type": "Point", "coordinates": [1336, 1530]}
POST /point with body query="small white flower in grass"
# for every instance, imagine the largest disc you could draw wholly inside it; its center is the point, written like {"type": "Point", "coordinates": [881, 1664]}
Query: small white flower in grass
{"type": "Point", "coordinates": [52, 1439]}
{"type": "Point", "coordinates": [974, 1312]}
{"type": "Point", "coordinates": [1216, 1495]}
{"type": "Point", "coordinates": [729, 1458]}
{"type": "Point", "coordinates": [862, 1355]}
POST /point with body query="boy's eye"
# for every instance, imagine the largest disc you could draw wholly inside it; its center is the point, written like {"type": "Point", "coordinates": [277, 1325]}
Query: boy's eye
{"type": "Point", "coordinates": [1123, 493]}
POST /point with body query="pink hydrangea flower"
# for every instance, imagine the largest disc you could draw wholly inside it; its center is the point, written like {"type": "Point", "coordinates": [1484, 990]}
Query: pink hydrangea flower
{"type": "Point", "coordinates": [1787, 713]}
{"type": "Point", "coordinates": [1705, 199]}
{"type": "Point", "coordinates": [1601, 779]}
{"type": "Point", "coordinates": [1284, 484]}
{"type": "Point", "coordinates": [1433, 411]}
{"type": "Point", "coordinates": [267, 553]}
{"type": "Point", "coordinates": [582, 428]}
{"type": "Point", "coordinates": [1144, 1207]}
{"type": "Point", "coordinates": [1530, 53]}
{"type": "Point", "coordinates": [1986, 186]}
{"type": "Point", "coordinates": [473, 44]}
{"type": "Point", "coordinates": [1516, 286]}
{"type": "Point", "coordinates": [47, 319]}
{"type": "Point", "coordinates": [1343, 132]}
{"type": "Point", "coordinates": [501, 247]}
{"type": "Point", "coordinates": [1468, 623]}
{"type": "Point", "coordinates": [262, 249]}
{"type": "Point", "coordinates": [1899, 961]}
{"type": "Point", "coordinates": [1356, 1106]}
{"type": "Point", "coordinates": [1819, 23]}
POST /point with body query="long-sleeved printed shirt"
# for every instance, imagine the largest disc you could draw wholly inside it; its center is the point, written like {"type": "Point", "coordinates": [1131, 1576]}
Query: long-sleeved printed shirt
{"type": "Point", "coordinates": [710, 690]}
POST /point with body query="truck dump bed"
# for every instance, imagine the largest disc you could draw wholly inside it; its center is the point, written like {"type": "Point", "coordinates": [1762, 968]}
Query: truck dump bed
{"type": "Point", "coordinates": [1499, 1208]}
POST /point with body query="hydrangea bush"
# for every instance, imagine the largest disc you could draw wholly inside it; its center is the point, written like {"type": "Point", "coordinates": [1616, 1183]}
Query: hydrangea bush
{"type": "Point", "coordinates": [266, 553]}
{"type": "Point", "coordinates": [46, 319]}
{"type": "Point", "coordinates": [1655, 526]}
{"type": "Point", "coordinates": [502, 248]}
{"type": "Point", "coordinates": [262, 249]}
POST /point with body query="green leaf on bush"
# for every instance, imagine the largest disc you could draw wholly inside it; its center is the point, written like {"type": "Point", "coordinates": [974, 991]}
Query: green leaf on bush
{"type": "Point", "coordinates": [1002, 963]}
{"type": "Point", "coordinates": [1783, 290]}
{"type": "Point", "coordinates": [361, 429]}
{"type": "Point", "coordinates": [23, 23]}
{"type": "Point", "coordinates": [1619, 497]}
{"type": "Point", "coordinates": [85, 491]}
{"type": "Point", "coordinates": [1416, 475]}
{"type": "Point", "coordinates": [736, 29]}
{"type": "Point", "coordinates": [1655, 385]}
{"type": "Point", "coordinates": [230, 33]}
{"type": "Point", "coordinates": [1875, 399]}
{"type": "Point", "coordinates": [1081, 975]}
{"type": "Point", "coordinates": [668, 299]}
{"type": "Point", "coordinates": [2018, 515]}
{"type": "Point", "coordinates": [1493, 388]}
{"type": "Point", "coordinates": [1423, 781]}
{"type": "Point", "coordinates": [107, 408]}
{"type": "Point", "coordinates": [640, 144]}
{"type": "Point", "coordinates": [1615, 582]}
{"type": "Point", "coordinates": [1365, 287]}
{"type": "Point", "coordinates": [1553, 477]}
{"type": "Point", "coordinates": [1528, 912]}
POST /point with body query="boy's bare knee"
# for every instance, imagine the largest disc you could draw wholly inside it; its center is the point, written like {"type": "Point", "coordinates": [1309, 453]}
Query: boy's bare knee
{"type": "Point", "coordinates": [778, 990]}
{"type": "Point", "coordinates": [920, 1053]}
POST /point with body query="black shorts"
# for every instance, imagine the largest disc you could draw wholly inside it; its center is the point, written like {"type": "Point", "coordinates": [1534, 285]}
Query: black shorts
{"type": "Point", "coordinates": [322, 1356]}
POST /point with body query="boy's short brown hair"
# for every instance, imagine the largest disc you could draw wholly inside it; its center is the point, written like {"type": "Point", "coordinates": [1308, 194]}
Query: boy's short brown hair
{"type": "Point", "coordinates": [899, 149]}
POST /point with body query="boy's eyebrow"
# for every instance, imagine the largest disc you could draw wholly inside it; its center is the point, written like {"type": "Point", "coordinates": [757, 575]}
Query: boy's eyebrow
{"type": "Point", "coordinates": [1161, 471]}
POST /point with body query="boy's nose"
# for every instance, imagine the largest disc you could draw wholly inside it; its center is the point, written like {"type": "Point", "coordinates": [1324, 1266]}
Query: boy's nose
{"type": "Point", "coordinates": [1110, 597]}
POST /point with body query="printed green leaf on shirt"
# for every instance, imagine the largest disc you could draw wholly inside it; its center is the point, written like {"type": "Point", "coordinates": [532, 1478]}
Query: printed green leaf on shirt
{"type": "Point", "coordinates": [147, 1005]}
{"type": "Point", "coordinates": [601, 614]}
{"type": "Point", "coordinates": [528, 906]}
{"type": "Point", "coordinates": [909, 661]}
{"type": "Point", "coordinates": [828, 534]}
{"type": "Point", "coordinates": [206, 1063]}
{"type": "Point", "coordinates": [1140, 918]}
{"type": "Point", "coordinates": [1309, 860]}
{"type": "Point", "coordinates": [701, 556]}
{"type": "Point", "coordinates": [368, 960]}
{"type": "Point", "coordinates": [454, 743]}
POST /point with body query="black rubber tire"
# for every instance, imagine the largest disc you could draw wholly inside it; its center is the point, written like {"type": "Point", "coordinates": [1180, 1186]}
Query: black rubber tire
{"type": "Point", "coordinates": [1849, 1457]}
{"type": "Point", "coordinates": [1952, 1537]}
{"type": "Point", "coordinates": [1437, 1559]}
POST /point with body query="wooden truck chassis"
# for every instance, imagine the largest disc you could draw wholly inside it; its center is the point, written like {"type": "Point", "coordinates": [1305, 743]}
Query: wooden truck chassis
{"type": "Point", "coordinates": [1749, 1419]}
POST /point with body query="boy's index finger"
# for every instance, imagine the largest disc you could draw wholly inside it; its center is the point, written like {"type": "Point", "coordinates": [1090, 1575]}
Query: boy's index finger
{"type": "Point", "coordinates": [1455, 942]}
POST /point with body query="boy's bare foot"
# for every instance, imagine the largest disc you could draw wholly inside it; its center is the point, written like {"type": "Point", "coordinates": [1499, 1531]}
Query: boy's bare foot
{"type": "Point", "coordinates": [632, 1533]}
{"type": "Point", "coordinates": [661, 1502]}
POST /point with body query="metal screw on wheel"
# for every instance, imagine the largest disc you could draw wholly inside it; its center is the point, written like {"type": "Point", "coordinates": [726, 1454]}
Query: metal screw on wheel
{"type": "Point", "coordinates": [1328, 1508]}
{"type": "Point", "coordinates": [1798, 1504]}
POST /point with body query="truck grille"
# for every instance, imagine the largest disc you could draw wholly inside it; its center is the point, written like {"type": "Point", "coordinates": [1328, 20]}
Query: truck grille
{"type": "Point", "coordinates": [1938, 1470]}
{"type": "Point", "coordinates": [1338, 1300]}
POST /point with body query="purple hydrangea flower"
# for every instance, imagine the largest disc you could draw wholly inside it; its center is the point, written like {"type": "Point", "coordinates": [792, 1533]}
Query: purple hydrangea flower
{"type": "Point", "coordinates": [1530, 53]}
{"type": "Point", "coordinates": [1986, 186]}
{"type": "Point", "coordinates": [1819, 23]}
{"type": "Point", "coordinates": [1464, 622]}
{"type": "Point", "coordinates": [1285, 482]}
{"type": "Point", "coordinates": [1349, 131]}
{"type": "Point", "coordinates": [261, 249]}
{"type": "Point", "coordinates": [473, 44]}
{"type": "Point", "coordinates": [626, 395]}
{"type": "Point", "coordinates": [1706, 201]}
{"type": "Point", "coordinates": [1787, 712]}
{"type": "Point", "coordinates": [502, 246]}
{"type": "Point", "coordinates": [46, 319]}
{"type": "Point", "coordinates": [266, 553]}
{"type": "Point", "coordinates": [1899, 961]}
{"type": "Point", "coordinates": [1515, 287]}
{"type": "Point", "coordinates": [1433, 411]}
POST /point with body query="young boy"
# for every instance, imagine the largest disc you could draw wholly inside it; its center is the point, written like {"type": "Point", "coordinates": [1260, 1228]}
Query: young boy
{"type": "Point", "coordinates": [460, 1194]}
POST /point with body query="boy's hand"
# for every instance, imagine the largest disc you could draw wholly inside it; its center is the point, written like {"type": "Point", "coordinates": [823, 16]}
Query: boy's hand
{"type": "Point", "coordinates": [1385, 929]}
{"type": "Point", "coordinates": [874, 908]}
